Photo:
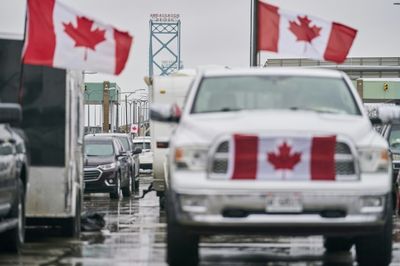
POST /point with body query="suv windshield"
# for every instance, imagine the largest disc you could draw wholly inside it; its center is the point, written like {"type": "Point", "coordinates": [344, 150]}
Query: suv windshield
{"type": "Point", "coordinates": [99, 149]}
{"type": "Point", "coordinates": [222, 94]}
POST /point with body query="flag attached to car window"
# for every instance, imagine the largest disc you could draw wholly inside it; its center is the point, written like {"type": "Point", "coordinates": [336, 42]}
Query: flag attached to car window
{"type": "Point", "coordinates": [293, 33]}
{"type": "Point", "coordinates": [58, 36]}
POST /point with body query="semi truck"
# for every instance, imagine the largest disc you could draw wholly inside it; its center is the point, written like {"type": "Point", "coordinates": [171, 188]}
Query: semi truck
{"type": "Point", "coordinates": [52, 101]}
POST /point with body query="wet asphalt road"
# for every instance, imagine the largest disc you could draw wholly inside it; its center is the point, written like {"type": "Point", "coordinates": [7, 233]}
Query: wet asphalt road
{"type": "Point", "coordinates": [135, 235]}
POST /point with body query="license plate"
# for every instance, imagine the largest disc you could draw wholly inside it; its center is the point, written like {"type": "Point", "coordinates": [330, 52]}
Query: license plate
{"type": "Point", "coordinates": [286, 203]}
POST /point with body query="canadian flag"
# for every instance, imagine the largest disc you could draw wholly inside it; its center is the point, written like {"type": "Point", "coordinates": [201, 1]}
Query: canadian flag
{"type": "Point", "coordinates": [134, 128]}
{"type": "Point", "coordinates": [292, 33]}
{"type": "Point", "coordinates": [282, 158]}
{"type": "Point", "coordinates": [58, 36]}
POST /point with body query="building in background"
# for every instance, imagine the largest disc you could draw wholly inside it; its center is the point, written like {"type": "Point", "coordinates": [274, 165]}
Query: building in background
{"type": "Point", "coordinates": [95, 93]}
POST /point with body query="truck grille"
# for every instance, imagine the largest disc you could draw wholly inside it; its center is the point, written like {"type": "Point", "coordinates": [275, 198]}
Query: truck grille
{"type": "Point", "coordinates": [344, 161]}
{"type": "Point", "coordinates": [91, 174]}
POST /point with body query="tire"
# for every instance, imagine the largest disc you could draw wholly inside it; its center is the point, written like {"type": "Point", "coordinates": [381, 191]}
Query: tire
{"type": "Point", "coordinates": [133, 186]}
{"type": "Point", "coordinates": [72, 226]}
{"type": "Point", "coordinates": [137, 184]}
{"type": "Point", "coordinates": [182, 246]}
{"type": "Point", "coordinates": [116, 193]}
{"type": "Point", "coordinates": [127, 190]}
{"type": "Point", "coordinates": [377, 249]}
{"type": "Point", "coordinates": [161, 202]}
{"type": "Point", "coordinates": [15, 237]}
{"type": "Point", "coordinates": [337, 244]}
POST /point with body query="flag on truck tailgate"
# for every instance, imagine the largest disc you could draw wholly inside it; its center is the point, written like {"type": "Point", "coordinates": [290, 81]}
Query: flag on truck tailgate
{"type": "Point", "coordinates": [283, 158]}
{"type": "Point", "coordinates": [58, 36]}
{"type": "Point", "coordinates": [294, 33]}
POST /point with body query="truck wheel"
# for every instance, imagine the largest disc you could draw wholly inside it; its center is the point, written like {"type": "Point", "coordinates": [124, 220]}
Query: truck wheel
{"type": "Point", "coordinates": [14, 238]}
{"type": "Point", "coordinates": [127, 190]}
{"type": "Point", "coordinates": [182, 246]}
{"type": "Point", "coordinates": [72, 226]}
{"type": "Point", "coordinates": [336, 244]}
{"type": "Point", "coordinates": [116, 193]}
{"type": "Point", "coordinates": [377, 249]}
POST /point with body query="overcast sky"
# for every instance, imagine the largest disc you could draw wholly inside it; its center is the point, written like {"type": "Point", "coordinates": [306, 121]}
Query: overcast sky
{"type": "Point", "coordinates": [216, 32]}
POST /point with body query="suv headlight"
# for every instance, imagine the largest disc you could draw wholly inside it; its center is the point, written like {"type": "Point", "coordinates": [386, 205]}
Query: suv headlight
{"type": "Point", "coordinates": [106, 167]}
{"type": "Point", "coordinates": [190, 158]}
{"type": "Point", "coordinates": [373, 160]}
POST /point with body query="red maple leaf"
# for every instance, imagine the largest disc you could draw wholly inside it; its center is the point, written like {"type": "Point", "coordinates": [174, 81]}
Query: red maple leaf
{"type": "Point", "coordinates": [303, 31]}
{"type": "Point", "coordinates": [83, 35]}
{"type": "Point", "coordinates": [284, 160]}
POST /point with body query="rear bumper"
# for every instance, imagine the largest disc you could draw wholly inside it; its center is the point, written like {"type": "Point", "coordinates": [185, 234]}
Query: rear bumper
{"type": "Point", "coordinates": [335, 214]}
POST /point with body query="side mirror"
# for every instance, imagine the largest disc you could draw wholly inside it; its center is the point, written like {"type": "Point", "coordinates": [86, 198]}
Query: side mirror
{"type": "Point", "coordinates": [10, 113]}
{"type": "Point", "coordinates": [137, 151]}
{"type": "Point", "coordinates": [165, 112]}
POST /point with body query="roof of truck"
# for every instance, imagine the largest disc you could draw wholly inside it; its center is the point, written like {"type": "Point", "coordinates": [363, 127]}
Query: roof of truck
{"type": "Point", "coordinates": [282, 71]}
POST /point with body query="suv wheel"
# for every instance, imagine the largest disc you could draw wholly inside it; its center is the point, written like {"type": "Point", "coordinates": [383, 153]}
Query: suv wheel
{"type": "Point", "coordinates": [137, 182]}
{"type": "Point", "coordinates": [182, 246]}
{"type": "Point", "coordinates": [377, 249]}
{"type": "Point", "coordinates": [116, 193]}
{"type": "Point", "coordinates": [127, 190]}
{"type": "Point", "coordinates": [14, 238]}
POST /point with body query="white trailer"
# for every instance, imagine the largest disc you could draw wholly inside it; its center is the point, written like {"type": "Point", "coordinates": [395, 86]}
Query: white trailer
{"type": "Point", "coordinates": [166, 89]}
{"type": "Point", "coordinates": [52, 107]}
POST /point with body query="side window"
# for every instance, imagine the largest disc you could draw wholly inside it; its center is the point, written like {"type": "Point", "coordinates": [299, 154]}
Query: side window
{"type": "Point", "coordinates": [117, 147]}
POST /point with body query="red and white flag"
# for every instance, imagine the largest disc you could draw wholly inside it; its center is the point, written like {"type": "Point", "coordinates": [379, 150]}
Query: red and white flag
{"type": "Point", "coordinates": [58, 36]}
{"type": "Point", "coordinates": [292, 33]}
{"type": "Point", "coordinates": [282, 158]}
{"type": "Point", "coordinates": [134, 128]}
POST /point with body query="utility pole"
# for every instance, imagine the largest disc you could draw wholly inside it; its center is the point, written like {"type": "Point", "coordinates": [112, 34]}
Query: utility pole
{"type": "Point", "coordinates": [254, 55]}
{"type": "Point", "coordinates": [106, 106]}
{"type": "Point", "coordinates": [88, 116]}
{"type": "Point", "coordinates": [117, 114]}
{"type": "Point", "coordinates": [126, 113]}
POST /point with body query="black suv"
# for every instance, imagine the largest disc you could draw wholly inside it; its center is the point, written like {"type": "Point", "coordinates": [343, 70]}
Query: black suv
{"type": "Point", "coordinates": [132, 153]}
{"type": "Point", "coordinates": [106, 167]}
{"type": "Point", "coordinates": [13, 177]}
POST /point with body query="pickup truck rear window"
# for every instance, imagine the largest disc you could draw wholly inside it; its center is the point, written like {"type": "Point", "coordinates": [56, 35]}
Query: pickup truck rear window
{"type": "Point", "coordinates": [320, 94]}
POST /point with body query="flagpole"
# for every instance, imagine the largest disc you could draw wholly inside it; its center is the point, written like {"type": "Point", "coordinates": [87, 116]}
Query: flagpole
{"type": "Point", "coordinates": [21, 71]}
{"type": "Point", "coordinates": [253, 33]}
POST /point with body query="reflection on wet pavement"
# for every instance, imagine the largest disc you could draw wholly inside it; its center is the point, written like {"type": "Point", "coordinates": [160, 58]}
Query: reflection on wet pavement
{"type": "Point", "coordinates": [135, 235]}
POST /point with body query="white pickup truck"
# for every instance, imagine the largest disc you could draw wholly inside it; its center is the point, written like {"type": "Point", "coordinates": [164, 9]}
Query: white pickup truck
{"type": "Point", "coordinates": [277, 152]}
